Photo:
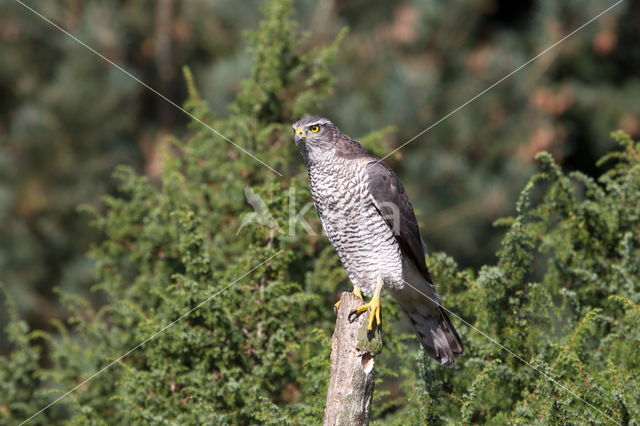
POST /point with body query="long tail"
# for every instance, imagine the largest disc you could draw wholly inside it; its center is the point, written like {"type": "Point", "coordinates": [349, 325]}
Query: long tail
{"type": "Point", "coordinates": [431, 323]}
{"type": "Point", "coordinates": [438, 336]}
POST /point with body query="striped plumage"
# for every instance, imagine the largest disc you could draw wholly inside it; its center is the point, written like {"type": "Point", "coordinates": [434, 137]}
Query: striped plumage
{"type": "Point", "coordinates": [369, 220]}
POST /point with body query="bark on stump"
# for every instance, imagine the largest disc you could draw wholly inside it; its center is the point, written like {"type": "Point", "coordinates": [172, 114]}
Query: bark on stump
{"type": "Point", "coordinates": [353, 351]}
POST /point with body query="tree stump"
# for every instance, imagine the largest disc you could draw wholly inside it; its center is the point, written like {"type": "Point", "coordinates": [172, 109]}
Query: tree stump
{"type": "Point", "coordinates": [353, 351]}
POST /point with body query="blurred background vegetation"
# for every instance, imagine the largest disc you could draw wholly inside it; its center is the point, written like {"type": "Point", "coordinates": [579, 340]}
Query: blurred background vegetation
{"type": "Point", "coordinates": [68, 118]}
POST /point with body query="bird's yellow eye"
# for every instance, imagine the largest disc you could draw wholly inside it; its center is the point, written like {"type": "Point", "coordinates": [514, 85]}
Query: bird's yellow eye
{"type": "Point", "coordinates": [315, 128]}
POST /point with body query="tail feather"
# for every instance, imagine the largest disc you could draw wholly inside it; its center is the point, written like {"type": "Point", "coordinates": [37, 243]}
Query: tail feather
{"type": "Point", "coordinates": [437, 335]}
{"type": "Point", "coordinates": [430, 321]}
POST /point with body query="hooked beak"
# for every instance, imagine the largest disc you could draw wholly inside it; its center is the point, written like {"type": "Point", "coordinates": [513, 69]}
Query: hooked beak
{"type": "Point", "coordinates": [299, 134]}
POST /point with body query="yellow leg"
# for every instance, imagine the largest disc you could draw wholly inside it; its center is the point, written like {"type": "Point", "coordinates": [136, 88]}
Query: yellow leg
{"type": "Point", "coordinates": [355, 291]}
{"type": "Point", "coordinates": [374, 306]}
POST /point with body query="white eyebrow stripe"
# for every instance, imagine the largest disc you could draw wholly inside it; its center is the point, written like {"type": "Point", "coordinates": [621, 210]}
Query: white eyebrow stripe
{"type": "Point", "coordinates": [302, 123]}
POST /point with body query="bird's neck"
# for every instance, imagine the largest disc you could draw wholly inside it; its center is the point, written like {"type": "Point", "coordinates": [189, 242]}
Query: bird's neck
{"type": "Point", "coordinates": [314, 156]}
{"type": "Point", "coordinates": [341, 152]}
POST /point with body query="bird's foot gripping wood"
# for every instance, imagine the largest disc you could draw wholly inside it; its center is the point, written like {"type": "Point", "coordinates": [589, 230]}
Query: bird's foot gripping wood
{"type": "Point", "coordinates": [356, 291]}
{"type": "Point", "coordinates": [374, 306]}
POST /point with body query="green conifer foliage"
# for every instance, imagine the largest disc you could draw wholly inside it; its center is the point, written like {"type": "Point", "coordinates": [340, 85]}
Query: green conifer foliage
{"type": "Point", "coordinates": [562, 295]}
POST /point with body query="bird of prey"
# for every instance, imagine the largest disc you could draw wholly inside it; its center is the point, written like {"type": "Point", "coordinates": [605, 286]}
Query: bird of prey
{"type": "Point", "coordinates": [369, 220]}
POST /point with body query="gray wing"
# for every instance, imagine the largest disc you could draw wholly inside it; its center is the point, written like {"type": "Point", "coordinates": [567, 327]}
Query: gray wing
{"type": "Point", "coordinates": [392, 202]}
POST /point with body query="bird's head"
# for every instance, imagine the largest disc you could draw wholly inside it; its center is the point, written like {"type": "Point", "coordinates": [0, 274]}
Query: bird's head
{"type": "Point", "coordinates": [315, 131]}
{"type": "Point", "coordinates": [319, 139]}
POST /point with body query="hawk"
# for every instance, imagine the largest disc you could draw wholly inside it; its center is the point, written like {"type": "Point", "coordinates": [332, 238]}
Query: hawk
{"type": "Point", "coordinates": [369, 220]}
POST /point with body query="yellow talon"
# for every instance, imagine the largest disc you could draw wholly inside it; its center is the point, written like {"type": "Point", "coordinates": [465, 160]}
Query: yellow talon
{"type": "Point", "coordinates": [355, 291]}
{"type": "Point", "coordinates": [374, 306]}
